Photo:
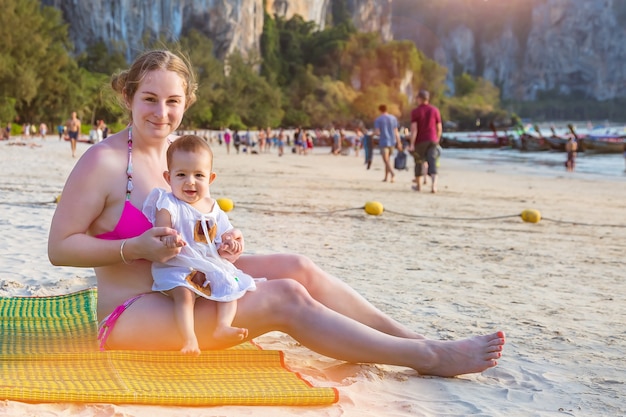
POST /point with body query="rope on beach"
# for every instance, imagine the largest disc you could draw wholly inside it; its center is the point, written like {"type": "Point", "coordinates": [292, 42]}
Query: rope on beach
{"type": "Point", "coordinates": [469, 219]}
{"type": "Point", "coordinates": [28, 204]}
{"type": "Point", "coordinates": [375, 208]}
{"type": "Point", "coordinates": [583, 224]}
{"type": "Point", "coordinates": [529, 216]}
{"type": "Point", "coordinates": [506, 217]}
{"type": "Point", "coordinates": [303, 212]}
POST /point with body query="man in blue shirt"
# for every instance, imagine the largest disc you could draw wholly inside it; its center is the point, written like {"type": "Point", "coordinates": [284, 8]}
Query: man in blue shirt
{"type": "Point", "coordinates": [386, 126]}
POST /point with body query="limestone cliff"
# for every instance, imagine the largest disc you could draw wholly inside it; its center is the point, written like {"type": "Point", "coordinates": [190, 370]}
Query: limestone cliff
{"type": "Point", "coordinates": [368, 15]}
{"type": "Point", "coordinates": [231, 24]}
{"type": "Point", "coordinates": [526, 47]}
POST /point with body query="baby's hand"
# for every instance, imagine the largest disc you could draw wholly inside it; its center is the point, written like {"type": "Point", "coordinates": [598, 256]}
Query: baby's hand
{"type": "Point", "coordinates": [172, 241]}
{"type": "Point", "coordinates": [232, 245]}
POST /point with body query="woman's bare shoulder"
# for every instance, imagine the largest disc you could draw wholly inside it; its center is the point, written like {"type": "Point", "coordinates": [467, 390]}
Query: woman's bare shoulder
{"type": "Point", "coordinates": [106, 154]}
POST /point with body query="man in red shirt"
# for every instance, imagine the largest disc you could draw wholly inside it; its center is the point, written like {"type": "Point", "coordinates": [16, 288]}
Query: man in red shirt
{"type": "Point", "coordinates": [426, 129]}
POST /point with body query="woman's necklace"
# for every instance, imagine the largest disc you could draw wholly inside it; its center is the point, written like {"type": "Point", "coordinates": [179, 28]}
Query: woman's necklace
{"type": "Point", "coordinates": [129, 167]}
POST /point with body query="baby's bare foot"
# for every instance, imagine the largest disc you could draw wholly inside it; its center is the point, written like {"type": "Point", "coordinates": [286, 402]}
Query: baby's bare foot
{"type": "Point", "coordinates": [230, 334]}
{"type": "Point", "coordinates": [191, 347]}
{"type": "Point", "coordinates": [472, 355]}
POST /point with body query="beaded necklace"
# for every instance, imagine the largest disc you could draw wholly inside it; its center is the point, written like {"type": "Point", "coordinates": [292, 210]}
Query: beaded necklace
{"type": "Point", "coordinates": [129, 167]}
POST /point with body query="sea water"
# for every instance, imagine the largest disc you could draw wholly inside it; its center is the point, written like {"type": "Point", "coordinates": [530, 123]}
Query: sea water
{"type": "Point", "coordinates": [608, 166]}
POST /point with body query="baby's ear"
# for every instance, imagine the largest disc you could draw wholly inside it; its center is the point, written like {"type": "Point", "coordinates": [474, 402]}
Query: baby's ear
{"type": "Point", "coordinates": [166, 176]}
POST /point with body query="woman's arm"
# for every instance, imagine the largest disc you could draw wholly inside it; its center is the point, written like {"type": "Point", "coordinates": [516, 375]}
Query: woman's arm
{"type": "Point", "coordinates": [92, 200]}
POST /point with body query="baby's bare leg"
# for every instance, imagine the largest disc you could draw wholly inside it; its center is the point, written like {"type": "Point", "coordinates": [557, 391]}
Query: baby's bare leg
{"type": "Point", "coordinates": [184, 301]}
{"type": "Point", "coordinates": [224, 330]}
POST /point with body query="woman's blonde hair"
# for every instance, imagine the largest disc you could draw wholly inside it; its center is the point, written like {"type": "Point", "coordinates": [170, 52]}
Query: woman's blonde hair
{"type": "Point", "coordinates": [126, 82]}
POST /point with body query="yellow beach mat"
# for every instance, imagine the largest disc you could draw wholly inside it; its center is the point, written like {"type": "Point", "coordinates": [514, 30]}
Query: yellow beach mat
{"type": "Point", "coordinates": [49, 353]}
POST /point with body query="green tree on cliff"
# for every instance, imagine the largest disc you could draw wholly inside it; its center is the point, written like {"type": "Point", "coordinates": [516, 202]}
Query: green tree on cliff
{"type": "Point", "coordinates": [269, 45]}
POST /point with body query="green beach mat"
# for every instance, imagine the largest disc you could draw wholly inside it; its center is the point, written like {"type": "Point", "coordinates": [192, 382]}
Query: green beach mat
{"type": "Point", "coordinates": [49, 353]}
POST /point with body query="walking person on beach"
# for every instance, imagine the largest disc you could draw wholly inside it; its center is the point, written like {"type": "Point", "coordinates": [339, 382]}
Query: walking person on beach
{"type": "Point", "coordinates": [281, 141]}
{"type": "Point", "coordinates": [26, 131]}
{"type": "Point", "coordinates": [61, 130]}
{"type": "Point", "coordinates": [236, 140]}
{"type": "Point", "coordinates": [73, 130]}
{"type": "Point", "coordinates": [357, 141]}
{"type": "Point", "coordinates": [190, 174]}
{"type": "Point", "coordinates": [227, 139]}
{"type": "Point", "coordinates": [98, 224]}
{"type": "Point", "coordinates": [368, 148]}
{"type": "Point", "coordinates": [426, 129]}
{"type": "Point", "coordinates": [43, 130]}
{"type": "Point", "coordinates": [386, 126]}
{"type": "Point", "coordinates": [571, 147]}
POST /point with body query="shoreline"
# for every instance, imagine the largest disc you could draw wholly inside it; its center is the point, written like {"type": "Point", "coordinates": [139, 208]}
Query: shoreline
{"type": "Point", "coordinates": [552, 287]}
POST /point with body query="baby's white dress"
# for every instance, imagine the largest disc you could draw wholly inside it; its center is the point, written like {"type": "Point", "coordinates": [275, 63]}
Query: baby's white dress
{"type": "Point", "coordinates": [224, 282]}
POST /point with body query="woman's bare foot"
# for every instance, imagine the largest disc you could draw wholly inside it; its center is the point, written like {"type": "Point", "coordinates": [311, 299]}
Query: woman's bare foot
{"type": "Point", "coordinates": [230, 334]}
{"type": "Point", "coordinates": [472, 355]}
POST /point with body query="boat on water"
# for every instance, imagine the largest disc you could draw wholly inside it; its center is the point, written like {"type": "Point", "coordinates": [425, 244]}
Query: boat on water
{"type": "Point", "coordinates": [477, 140]}
{"type": "Point", "coordinates": [558, 141]}
{"type": "Point", "coordinates": [604, 144]}
{"type": "Point", "coordinates": [531, 143]}
{"type": "Point", "coordinates": [470, 141]}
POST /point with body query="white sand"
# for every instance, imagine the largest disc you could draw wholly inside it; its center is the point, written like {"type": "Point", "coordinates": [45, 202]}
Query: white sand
{"type": "Point", "coordinates": [558, 290]}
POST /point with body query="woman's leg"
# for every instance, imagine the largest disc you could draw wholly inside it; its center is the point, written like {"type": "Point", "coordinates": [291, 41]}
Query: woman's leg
{"type": "Point", "coordinates": [327, 289]}
{"type": "Point", "coordinates": [285, 305]}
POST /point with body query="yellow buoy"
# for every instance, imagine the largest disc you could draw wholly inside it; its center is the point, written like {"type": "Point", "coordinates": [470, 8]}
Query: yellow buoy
{"type": "Point", "coordinates": [225, 204]}
{"type": "Point", "coordinates": [57, 199]}
{"type": "Point", "coordinates": [374, 208]}
{"type": "Point", "coordinates": [531, 216]}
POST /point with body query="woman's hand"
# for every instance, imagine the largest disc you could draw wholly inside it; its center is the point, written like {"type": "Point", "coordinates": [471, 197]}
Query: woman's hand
{"type": "Point", "coordinates": [232, 245]}
{"type": "Point", "coordinates": [159, 244]}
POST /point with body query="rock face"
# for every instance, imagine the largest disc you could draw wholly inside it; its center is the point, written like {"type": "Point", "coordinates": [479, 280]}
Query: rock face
{"type": "Point", "coordinates": [526, 47]}
{"type": "Point", "coordinates": [368, 15]}
{"type": "Point", "coordinates": [231, 24]}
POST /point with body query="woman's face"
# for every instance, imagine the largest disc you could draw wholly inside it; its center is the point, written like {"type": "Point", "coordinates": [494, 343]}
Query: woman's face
{"type": "Point", "coordinates": [159, 104]}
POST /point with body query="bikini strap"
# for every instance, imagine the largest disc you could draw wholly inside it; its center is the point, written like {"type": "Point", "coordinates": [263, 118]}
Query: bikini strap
{"type": "Point", "coordinates": [129, 166]}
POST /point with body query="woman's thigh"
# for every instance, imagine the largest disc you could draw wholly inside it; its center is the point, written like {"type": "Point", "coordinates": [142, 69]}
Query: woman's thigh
{"type": "Point", "coordinates": [275, 266]}
{"type": "Point", "coordinates": [149, 324]}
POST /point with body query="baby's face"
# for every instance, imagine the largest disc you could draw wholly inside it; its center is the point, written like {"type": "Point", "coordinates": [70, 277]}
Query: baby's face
{"type": "Point", "coordinates": [191, 175]}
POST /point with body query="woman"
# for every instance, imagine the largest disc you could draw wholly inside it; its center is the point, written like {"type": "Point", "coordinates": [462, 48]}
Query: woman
{"type": "Point", "coordinates": [98, 223]}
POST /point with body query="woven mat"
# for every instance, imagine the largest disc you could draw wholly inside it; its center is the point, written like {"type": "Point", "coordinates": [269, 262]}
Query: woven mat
{"type": "Point", "coordinates": [49, 353]}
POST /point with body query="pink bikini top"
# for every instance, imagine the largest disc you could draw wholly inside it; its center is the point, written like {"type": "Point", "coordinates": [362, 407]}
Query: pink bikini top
{"type": "Point", "coordinates": [132, 222]}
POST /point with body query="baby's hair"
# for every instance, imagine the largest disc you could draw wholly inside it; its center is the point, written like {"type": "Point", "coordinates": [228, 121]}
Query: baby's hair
{"type": "Point", "coordinates": [188, 143]}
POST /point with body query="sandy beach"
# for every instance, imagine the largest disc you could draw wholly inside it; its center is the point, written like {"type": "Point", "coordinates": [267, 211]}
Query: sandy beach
{"type": "Point", "coordinates": [434, 262]}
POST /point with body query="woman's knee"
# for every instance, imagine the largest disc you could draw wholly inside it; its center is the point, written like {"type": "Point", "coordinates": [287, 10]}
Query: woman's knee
{"type": "Point", "coordinates": [305, 271]}
{"type": "Point", "coordinates": [284, 301]}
